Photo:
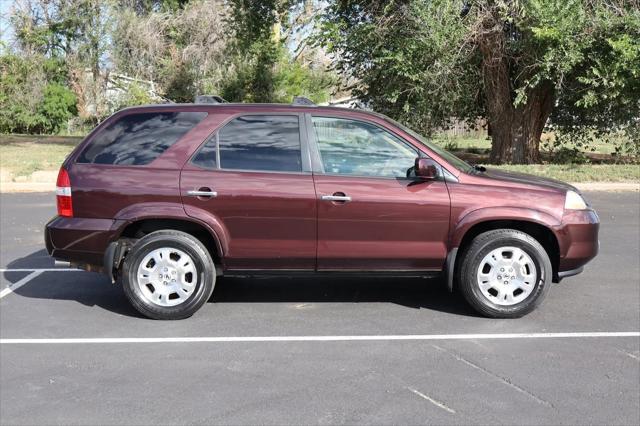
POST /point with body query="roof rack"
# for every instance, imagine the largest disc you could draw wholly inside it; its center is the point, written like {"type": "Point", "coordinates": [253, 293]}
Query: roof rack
{"type": "Point", "coordinates": [209, 99]}
{"type": "Point", "coordinates": [301, 100]}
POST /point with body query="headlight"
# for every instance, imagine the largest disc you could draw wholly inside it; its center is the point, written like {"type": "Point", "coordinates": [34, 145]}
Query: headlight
{"type": "Point", "coordinates": [574, 201]}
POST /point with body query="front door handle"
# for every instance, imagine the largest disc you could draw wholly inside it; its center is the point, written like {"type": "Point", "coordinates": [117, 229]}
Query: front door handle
{"type": "Point", "coordinates": [203, 193]}
{"type": "Point", "coordinates": [339, 197]}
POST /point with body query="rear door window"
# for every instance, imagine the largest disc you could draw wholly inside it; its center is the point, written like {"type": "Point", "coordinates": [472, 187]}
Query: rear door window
{"type": "Point", "coordinates": [138, 139]}
{"type": "Point", "coordinates": [255, 142]}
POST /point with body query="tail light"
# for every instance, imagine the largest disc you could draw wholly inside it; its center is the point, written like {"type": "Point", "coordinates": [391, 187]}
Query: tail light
{"type": "Point", "coordinates": [63, 194]}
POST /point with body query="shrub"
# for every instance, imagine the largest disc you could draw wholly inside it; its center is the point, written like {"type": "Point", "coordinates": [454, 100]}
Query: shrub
{"type": "Point", "coordinates": [33, 97]}
{"type": "Point", "coordinates": [57, 107]}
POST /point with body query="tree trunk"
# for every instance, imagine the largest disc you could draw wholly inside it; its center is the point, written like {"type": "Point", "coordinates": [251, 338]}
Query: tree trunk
{"type": "Point", "coordinates": [515, 130]}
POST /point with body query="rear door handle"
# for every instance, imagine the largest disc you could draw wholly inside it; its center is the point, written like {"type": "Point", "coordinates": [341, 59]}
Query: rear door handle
{"type": "Point", "coordinates": [338, 196]}
{"type": "Point", "coordinates": [203, 192]}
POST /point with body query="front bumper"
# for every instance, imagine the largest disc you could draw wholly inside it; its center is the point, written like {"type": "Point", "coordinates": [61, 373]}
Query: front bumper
{"type": "Point", "coordinates": [577, 240]}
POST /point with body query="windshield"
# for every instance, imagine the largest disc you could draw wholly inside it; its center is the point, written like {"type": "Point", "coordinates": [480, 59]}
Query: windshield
{"type": "Point", "coordinates": [456, 162]}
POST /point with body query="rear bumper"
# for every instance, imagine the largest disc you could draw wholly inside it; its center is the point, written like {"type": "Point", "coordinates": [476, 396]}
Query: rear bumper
{"type": "Point", "coordinates": [578, 241]}
{"type": "Point", "coordinates": [80, 240]}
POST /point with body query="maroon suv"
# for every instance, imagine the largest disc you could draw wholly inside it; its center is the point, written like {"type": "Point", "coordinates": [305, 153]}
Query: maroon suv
{"type": "Point", "coordinates": [165, 198]}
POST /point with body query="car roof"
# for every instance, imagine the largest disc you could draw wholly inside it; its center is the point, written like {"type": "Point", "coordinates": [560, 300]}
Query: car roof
{"type": "Point", "coordinates": [234, 107]}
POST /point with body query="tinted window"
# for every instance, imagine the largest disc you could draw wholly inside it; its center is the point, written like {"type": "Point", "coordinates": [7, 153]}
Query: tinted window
{"type": "Point", "coordinates": [261, 142]}
{"type": "Point", "coordinates": [138, 139]}
{"type": "Point", "coordinates": [207, 156]}
{"type": "Point", "coordinates": [350, 147]}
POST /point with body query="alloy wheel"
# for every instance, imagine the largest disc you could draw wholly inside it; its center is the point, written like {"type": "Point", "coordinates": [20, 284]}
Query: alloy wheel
{"type": "Point", "coordinates": [507, 276]}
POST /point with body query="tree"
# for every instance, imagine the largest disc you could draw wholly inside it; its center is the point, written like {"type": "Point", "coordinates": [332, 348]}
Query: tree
{"type": "Point", "coordinates": [266, 71]}
{"type": "Point", "coordinates": [183, 51]}
{"type": "Point", "coordinates": [33, 94]}
{"type": "Point", "coordinates": [511, 61]}
{"type": "Point", "coordinates": [74, 31]}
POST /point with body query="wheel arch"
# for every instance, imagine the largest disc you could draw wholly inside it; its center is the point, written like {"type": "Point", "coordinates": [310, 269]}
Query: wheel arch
{"type": "Point", "coordinates": [542, 231]}
{"type": "Point", "coordinates": [207, 236]}
{"type": "Point", "coordinates": [138, 226]}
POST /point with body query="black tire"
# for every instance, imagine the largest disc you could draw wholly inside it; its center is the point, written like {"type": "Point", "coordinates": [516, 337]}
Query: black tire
{"type": "Point", "coordinates": [482, 245]}
{"type": "Point", "coordinates": [205, 274]}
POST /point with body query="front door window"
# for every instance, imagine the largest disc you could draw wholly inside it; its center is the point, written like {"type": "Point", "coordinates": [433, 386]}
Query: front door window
{"type": "Point", "coordinates": [357, 148]}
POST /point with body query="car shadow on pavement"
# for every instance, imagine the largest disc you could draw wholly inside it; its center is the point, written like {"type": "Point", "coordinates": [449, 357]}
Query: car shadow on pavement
{"type": "Point", "coordinates": [416, 293]}
{"type": "Point", "coordinates": [88, 288]}
{"type": "Point", "coordinates": [93, 289]}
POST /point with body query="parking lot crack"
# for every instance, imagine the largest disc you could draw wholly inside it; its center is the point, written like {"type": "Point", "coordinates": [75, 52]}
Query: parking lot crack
{"type": "Point", "coordinates": [506, 381]}
{"type": "Point", "coordinates": [629, 354]}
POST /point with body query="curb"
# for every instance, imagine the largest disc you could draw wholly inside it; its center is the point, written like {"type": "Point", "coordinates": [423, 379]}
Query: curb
{"type": "Point", "coordinates": [15, 187]}
{"type": "Point", "coordinates": [608, 186]}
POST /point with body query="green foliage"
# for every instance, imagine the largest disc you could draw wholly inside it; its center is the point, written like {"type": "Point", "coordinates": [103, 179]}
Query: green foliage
{"type": "Point", "coordinates": [264, 68]}
{"type": "Point", "coordinates": [179, 84]}
{"type": "Point", "coordinates": [270, 75]}
{"type": "Point", "coordinates": [144, 7]}
{"type": "Point", "coordinates": [135, 95]}
{"type": "Point", "coordinates": [570, 145]}
{"type": "Point", "coordinates": [33, 95]}
{"type": "Point", "coordinates": [293, 79]}
{"type": "Point", "coordinates": [256, 21]}
{"type": "Point", "coordinates": [409, 58]}
{"type": "Point", "coordinates": [57, 107]}
{"type": "Point", "coordinates": [601, 99]}
{"type": "Point", "coordinates": [425, 62]}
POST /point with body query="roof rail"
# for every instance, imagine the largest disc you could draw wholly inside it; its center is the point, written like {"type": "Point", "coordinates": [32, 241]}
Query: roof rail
{"type": "Point", "coordinates": [301, 100]}
{"type": "Point", "coordinates": [209, 99]}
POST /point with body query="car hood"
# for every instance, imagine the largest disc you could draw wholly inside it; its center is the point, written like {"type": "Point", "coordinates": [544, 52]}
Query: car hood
{"type": "Point", "coordinates": [526, 179]}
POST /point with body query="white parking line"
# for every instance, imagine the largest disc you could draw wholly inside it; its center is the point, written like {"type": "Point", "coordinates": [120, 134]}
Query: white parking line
{"type": "Point", "coordinates": [40, 270]}
{"type": "Point", "coordinates": [232, 339]}
{"type": "Point", "coordinates": [19, 284]}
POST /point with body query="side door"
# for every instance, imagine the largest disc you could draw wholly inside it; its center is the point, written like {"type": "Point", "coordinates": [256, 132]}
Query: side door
{"type": "Point", "coordinates": [253, 179]}
{"type": "Point", "coordinates": [371, 216]}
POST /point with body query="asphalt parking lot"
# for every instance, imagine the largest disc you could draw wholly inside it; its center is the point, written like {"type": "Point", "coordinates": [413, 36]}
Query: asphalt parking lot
{"type": "Point", "coordinates": [233, 371]}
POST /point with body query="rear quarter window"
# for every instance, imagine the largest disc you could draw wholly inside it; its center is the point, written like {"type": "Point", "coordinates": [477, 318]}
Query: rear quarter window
{"type": "Point", "coordinates": [138, 139]}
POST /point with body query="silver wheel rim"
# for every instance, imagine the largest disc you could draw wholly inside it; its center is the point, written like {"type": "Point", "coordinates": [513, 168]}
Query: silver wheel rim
{"type": "Point", "coordinates": [167, 277]}
{"type": "Point", "coordinates": [507, 276]}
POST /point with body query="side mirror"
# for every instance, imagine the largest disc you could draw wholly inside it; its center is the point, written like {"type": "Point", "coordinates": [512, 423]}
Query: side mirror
{"type": "Point", "coordinates": [426, 168]}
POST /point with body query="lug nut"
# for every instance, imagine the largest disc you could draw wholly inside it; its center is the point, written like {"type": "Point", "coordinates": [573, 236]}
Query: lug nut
{"type": "Point", "coordinates": [506, 282]}
{"type": "Point", "coordinates": [501, 269]}
{"type": "Point", "coordinates": [513, 278]}
{"type": "Point", "coordinates": [499, 277]}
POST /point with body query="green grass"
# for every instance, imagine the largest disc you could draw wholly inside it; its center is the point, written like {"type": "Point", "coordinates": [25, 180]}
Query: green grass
{"type": "Point", "coordinates": [40, 139]}
{"type": "Point", "coordinates": [580, 173]}
{"type": "Point", "coordinates": [21, 156]}
{"type": "Point", "coordinates": [481, 144]}
{"type": "Point", "coordinates": [462, 144]}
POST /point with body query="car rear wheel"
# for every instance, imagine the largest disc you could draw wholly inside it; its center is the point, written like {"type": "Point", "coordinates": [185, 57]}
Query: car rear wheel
{"type": "Point", "coordinates": [168, 275]}
{"type": "Point", "coordinates": [504, 273]}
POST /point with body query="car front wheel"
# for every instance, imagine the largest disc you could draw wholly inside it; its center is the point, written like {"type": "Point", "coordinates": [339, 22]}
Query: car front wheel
{"type": "Point", "coordinates": [504, 273]}
{"type": "Point", "coordinates": [168, 275]}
